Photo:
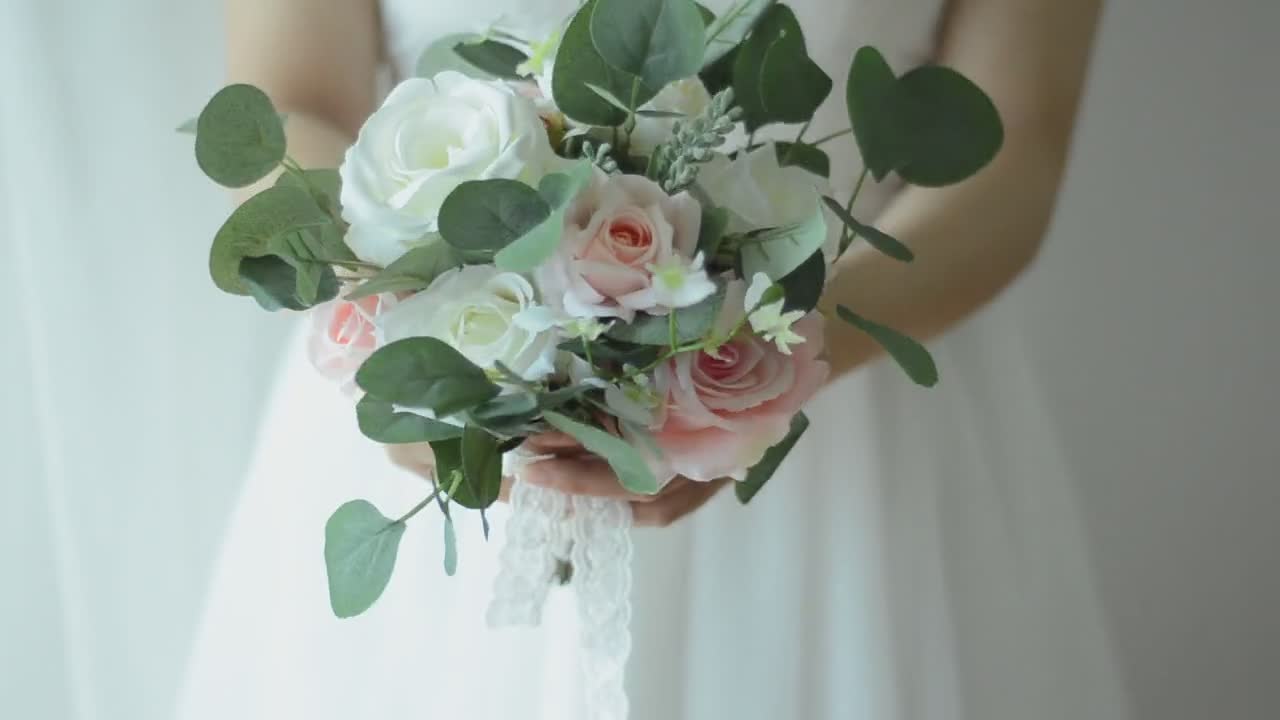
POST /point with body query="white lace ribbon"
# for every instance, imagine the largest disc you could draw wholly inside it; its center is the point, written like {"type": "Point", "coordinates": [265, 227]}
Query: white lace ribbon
{"type": "Point", "coordinates": [546, 529]}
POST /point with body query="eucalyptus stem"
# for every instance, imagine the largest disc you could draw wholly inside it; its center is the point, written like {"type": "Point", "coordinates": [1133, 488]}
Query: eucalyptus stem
{"type": "Point", "coordinates": [832, 136]}
{"type": "Point", "coordinates": [799, 136]}
{"type": "Point", "coordinates": [586, 351]}
{"type": "Point", "coordinates": [418, 508]}
{"type": "Point", "coordinates": [845, 238]}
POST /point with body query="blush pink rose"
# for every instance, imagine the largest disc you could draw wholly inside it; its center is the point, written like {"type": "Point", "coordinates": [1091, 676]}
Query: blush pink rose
{"type": "Point", "coordinates": [343, 337]}
{"type": "Point", "coordinates": [618, 231]}
{"type": "Point", "coordinates": [724, 410]}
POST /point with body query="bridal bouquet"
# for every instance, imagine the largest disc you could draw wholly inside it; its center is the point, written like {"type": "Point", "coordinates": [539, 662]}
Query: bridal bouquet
{"type": "Point", "coordinates": [582, 233]}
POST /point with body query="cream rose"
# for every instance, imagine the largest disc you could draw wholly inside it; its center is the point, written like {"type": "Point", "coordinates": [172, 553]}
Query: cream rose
{"type": "Point", "coordinates": [487, 315]}
{"type": "Point", "coordinates": [429, 136]}
{"type": "Point", "coordinates": [758, 192]}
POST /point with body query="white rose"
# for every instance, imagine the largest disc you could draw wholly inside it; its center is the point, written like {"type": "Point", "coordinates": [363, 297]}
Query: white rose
{"type": "Point", "coordinates": [487, 315]}
{"type": "Point", "coordinates": [430, 136]}
{"type": "Point", "coordinates": [689, 97]}
{"type": "Point", "coordinates": [757, 192]}
{"type": "Point", "coordinates": [760, 193]}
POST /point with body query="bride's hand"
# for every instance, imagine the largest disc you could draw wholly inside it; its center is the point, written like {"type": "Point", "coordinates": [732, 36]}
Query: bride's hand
{"type": "Point", "coordinates": [577, 472]}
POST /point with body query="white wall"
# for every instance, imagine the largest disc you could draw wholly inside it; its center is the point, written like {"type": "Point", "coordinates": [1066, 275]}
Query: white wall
{"type": "Point", "coordinates": [1158, 335]}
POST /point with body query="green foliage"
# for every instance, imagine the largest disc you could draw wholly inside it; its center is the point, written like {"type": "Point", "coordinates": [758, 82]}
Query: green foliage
{"type": "Point", "coordinates": [510, 415]}
{"type": "Point", "coordinates": [494, 58]}
{"type": "Point", "coordinates": [413, 271]}
{"type": "Point", "coordinates": [324, 184]}
{"type": "Point", "coordinates": [481, 470]}
{"type": "Point", "coordinates": [730, 27]}
{"type": "Point", "coordinates": [881, 241]}
{"type": "Point", "coordinates": [578, 65]}
{"type": "Point", "coordinates": [774, 78]}
{"type": "Point", "coordinates": [760, 473]}
{"type": "Point", "coordinates": [424, 372]}
{"type": "Point", "coordinates": [658, 41]}
{"type": "Point", "coordinates": [806, 157]}
{"type": "Point", "coordinates": [380, 422]}
{"type": "Point", "coordinates": [950, 125]}
{"type": "Point", "coordinates": [536, 245]}
{"type": "Point", "coordinates": [239, 136]}
{"type": "Point", "coordinates": [779, 251]}
{"type": "Point", "coordinates": [803, 286]}
{"type": "Point", "coordinates": [932, 125]}
{"type": "Point", "coordinates": [869, 96]}
{"type": "Point", "coordinates": [360, 547]}
{"type": "Point", "coordinates": [692, 323]}
{"type": "Point", "coordinates": [279, 285]}
{"type": "Point", "coordinates": [481, 217]}
{"type": "Point", "coordinates": [908, 353]}
{"type": "Point", "coordinates": [626, 461]}
{"type": "Point", "coordinates": [249, 232]}
{"type": "Point", "coordinates": [607, 351]}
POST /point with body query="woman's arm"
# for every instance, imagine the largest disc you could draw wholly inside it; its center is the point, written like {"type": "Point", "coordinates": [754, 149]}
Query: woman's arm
{"type": "Point", "coordinates": [973, 239]}
{"type": "Point", "coordinates": [317, 60]}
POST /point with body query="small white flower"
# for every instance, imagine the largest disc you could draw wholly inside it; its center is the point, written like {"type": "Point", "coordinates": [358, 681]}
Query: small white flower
{"type": "Point", "coordinates": [767, 319]}
{"type": "Point", "coordinates": [633, 400]}
{"type": "Point", "coordinates": [677, 283]}
{"type": "Point", "coordinates": [540, 318]}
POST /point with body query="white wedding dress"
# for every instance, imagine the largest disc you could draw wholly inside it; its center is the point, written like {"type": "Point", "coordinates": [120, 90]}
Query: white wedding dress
{"type": "Point", "coordinates": [917, 557]}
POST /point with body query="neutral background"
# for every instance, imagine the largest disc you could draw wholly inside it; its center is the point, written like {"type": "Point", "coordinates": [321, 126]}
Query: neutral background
{"type": "Point", "coordinates": [125, 427]}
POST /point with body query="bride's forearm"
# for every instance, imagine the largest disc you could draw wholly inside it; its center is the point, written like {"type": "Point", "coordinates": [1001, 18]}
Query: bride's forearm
{"type": "Point", "coordinates": [973, 239]}
{"type": "Point", "coordinates": [970, 241]}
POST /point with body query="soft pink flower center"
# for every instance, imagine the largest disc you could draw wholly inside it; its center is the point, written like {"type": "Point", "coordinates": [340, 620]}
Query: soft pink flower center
{"type": "Point", "coordinates": [349, 326]}
{"type": "Point", "coordinates": [627, 238]}
{"type": "Point", "coordinates": [721, 366]}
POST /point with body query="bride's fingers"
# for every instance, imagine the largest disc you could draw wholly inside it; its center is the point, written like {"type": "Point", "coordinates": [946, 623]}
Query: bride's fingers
{"type": "Point", "coordinates": [553, 443]}
{"type": "Point", "coordinates": [671, 506]}
{"type": "Point", "coordinates": [581, 476]}
{"type": "Point", "coordinates": [414, 457]}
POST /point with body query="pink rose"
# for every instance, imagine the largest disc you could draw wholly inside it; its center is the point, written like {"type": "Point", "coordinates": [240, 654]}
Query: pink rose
{"type": "Point", "coordinates": [627, 247]}
{"type": "Point", "coordinates": [343, 337]}
{"type": "Point", "coordinates": [724, 410]}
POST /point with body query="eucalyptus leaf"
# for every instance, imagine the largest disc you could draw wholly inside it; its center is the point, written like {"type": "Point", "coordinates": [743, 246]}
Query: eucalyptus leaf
{"type": "Point", "coordinates": [692, 323]}
{"type": "Point", "coordinates": [608, 97]}
{"type": "Point", "coordinates": [423, 372]}
{"type": "Point", "coordinates": [450, 547]}
{"type": "Point", "coordinates": [481, 470]}
{"type": "Point", "coordinates": [760, 473]}
{"type": "Point", "coordinates": [277, 285]}
{"type": "Point", "coordinates": [492, 57]}
{"type": "Point", "coordinates": [481, 217]}
{"type": "Point", "coordinates": [869, 96]}
{"type": "Point", "coordinates": [908, 353]}
{"type": "Point", "coordinates": [413, 271]}
{"type": "Point", "coordinates": [730, 27]}
{"type": "Point", "coordinates": [951, 127]}
{"type": "Point", "coordinates": [324, 184]}
{"type": "Point", "coordinates": [239, 136]}
{"type": "Point", "coordinates": [877, 239]}
{"type": "Point", "coordinates": [251, 227]}
{"type": "Point", "coordinates": [510, 414]}
{"type": "Point", "coordinates": [618, 353]}
{"type": "Point", "coordinates": [360, 547]}
{"type": "Point", "coordinates": [804, 156]}
{"type": "Point", "coordinates": [779, 251]}
{"type": "Point", "coordinates": [658, 41]}
{"type": "Point", "coordinates": [627, 463]}
{"type": "Point", "coordinates": [792, 86]}
{"type": "Point", "coordinates": [774, 80]}
{"type": "Point", "coordinates": [556, 190]}
{"type": "Point", "coordinates": [802, 288]}
{"type": "Point", "coordinates": [379, 421]}
{"type": "Point", "coordinates": [578, 64]}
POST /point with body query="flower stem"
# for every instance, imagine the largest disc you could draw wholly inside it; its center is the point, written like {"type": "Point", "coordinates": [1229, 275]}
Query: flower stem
{"type": "Point", "coordinates": [417, 508]}
{"type": "Point", "coordinates": [832, 136]}
{"type": "Point", "coordinates": [845, 237]}
{"type": "Point", "coordinates": [799, 136]}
